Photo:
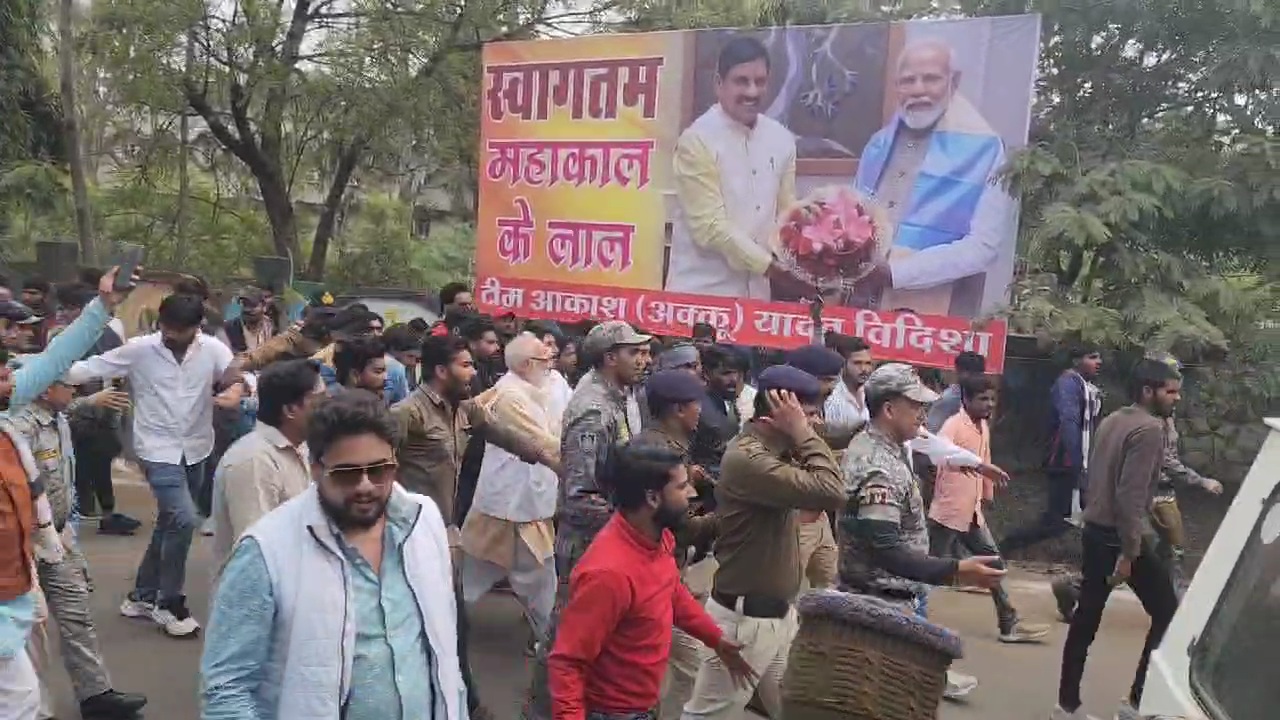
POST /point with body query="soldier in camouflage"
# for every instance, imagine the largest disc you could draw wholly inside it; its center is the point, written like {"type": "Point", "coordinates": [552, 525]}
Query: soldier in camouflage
{"type": "Point", "coordinates": [43, 425]}
{"type": "Point", "coordinates": [884, 538]}
{"type": "Point", "coordinates": [594, 422]}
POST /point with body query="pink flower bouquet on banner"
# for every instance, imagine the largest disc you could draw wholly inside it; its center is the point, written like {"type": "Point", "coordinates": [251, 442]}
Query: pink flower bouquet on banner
{"type": "Point", "coordinates": [832, 238]}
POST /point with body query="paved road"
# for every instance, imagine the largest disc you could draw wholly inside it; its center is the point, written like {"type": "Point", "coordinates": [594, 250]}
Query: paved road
{"type": "Point", "coordinates": [1018, 682]}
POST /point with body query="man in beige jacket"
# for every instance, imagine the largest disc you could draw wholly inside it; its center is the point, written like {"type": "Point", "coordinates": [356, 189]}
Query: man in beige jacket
{"type": "Point", "coordinates": [508, 532]}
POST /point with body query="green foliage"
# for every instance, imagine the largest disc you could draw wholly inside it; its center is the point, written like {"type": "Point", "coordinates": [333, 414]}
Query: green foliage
{"type": "Point", "coordinates": [312, 96]}
{"type": "Point", "coordinates": [376, 249]}
{"type": "Point", "coordinates": [29, 111]}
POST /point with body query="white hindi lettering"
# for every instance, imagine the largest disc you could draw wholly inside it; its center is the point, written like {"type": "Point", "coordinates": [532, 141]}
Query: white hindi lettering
{"type": "Point", "coordinates": [547, 163]}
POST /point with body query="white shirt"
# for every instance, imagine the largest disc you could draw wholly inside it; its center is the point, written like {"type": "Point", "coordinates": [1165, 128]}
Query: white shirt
{"type": "Point", "coordinates": [731, 181]}
{"type": "Point", "coordinates": [172, 401]}
{"type": "Point", "coordinates": [847, 408]}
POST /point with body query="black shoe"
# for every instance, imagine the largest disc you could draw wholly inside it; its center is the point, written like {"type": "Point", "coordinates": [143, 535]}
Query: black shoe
{"type": "Point", "coordinates": [126, 520]}
{"type": "Point", "coordinates": [117, 525]}
{"type": "Point", "coordinates": [111, 705]}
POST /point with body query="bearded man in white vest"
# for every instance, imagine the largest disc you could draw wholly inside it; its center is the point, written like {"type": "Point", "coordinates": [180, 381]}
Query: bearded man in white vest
{"type": "Point", "coordinates": [339, 603]}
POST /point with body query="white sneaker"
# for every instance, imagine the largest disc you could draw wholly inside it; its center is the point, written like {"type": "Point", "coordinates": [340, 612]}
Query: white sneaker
{"type": "Point", "coordinates": [959, 685]}
{"type": "Point", "coordinates": [206, 528]}
{"type": "Point", "coordinates": [1079, 714]}
{"type": "Point", "coordinates": [132, 608]}
{"type": "Point", "coordinates": [1129, 712]}
{"type": "Point", "coordinates": [174, 618]}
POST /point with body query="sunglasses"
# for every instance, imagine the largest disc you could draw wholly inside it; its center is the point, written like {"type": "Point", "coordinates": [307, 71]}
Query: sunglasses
{"type": "Point", "coordinates": [350, 476]}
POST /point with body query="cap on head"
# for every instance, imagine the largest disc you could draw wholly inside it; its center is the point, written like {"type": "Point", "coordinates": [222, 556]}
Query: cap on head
{"type": "Point", "coordinates": [609, 335]}
{"type": "Point", "coordinates": [672, 387]}
{"type": "Point", "coordinates": [786, 378]}
{"type": "Point", "coordinates": [816, 360]}
{"type": "Point", "coordinates": [678, 356]}
{"type": "Point", "coordinates": [16, 312]}
{"type": "Point", "coordinates": [898, 379]}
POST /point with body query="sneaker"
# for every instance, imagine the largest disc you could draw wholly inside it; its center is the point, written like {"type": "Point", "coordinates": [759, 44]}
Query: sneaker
{"type": "Point", "coordinates": [90, 516]}
{"type": "Point", "coordinates": [126, 520]}
{"type": "Point", "coordinates": [173, 617]}
{"type": "Point", "coordinates": [1024, 633]}
{"type": "Point", "coordinates": [116, 525]}
{"type": "Point", "coordinates": [132, 607]}
{"type": "Point", "coordinates": [959, 685]}
{"type": "Point", "coordinates": [206, 528]}
{"type": "Point", "coordinates": [1127, 711]}
{"type": "Point", "coordinates": [112, 705]}
{"type": "Point", "coordinates": [1079, 714]}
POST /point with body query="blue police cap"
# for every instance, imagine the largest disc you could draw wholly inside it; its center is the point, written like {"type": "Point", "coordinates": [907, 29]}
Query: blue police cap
{"type": "Point", "coordinates": [816, 360]}
{"type": "Point", "coordinates": [790, 379]}
{"type": "Point", "coordinates": [673, 386]}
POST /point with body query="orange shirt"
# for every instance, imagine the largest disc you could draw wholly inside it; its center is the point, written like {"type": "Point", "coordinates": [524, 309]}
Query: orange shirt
{"type": "Point", "coordinates": [958, 492]}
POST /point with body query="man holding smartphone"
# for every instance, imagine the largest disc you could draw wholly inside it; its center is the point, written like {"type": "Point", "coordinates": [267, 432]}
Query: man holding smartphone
{"type": "Point", "coordinates": [884, 536]}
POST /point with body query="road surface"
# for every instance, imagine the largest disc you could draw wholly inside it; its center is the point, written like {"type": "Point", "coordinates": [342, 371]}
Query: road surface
{"type": "Point", "coordinates": [1018, 682]}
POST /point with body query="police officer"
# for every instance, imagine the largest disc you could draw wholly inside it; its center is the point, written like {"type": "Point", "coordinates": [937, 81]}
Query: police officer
{"type": "Point", "coordinates": [43, 425]}
{"type": "Point", "coordinates": [595, 421]}
{"type": "Point", "coordinates": [884, 539]}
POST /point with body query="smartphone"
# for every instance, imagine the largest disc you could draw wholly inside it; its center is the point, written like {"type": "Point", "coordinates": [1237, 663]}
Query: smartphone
{"type": "Point", "coordinates": [128, 258]}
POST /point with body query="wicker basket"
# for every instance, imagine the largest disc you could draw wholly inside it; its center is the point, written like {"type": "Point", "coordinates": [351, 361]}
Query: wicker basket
{"type": "Point", "coordinates": [859, 658]}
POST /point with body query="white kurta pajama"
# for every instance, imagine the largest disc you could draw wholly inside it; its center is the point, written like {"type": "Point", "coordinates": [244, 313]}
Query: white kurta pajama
{"type": "Point", "coordinates": [732, 181]}
{"type": "Point", "coordinates": [508, 532]}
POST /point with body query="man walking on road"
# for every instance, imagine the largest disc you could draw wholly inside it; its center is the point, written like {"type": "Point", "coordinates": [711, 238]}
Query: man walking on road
{"type": "Point", "coordinates": [1127, 459]}
{"type": "Point", "coordinates": [174, 374]}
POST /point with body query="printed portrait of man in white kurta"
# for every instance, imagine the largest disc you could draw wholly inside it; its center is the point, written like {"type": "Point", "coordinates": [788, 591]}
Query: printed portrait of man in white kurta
{"type": "Point", "coordinates": [735, 170]}
{"type": "Point", "coordinates": [934, 168]}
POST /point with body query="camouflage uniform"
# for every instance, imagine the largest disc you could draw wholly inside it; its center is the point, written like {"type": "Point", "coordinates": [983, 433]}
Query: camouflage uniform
{"type": "Point", "coordinates": [65, 584]}
{"type": "Point", "coordinates": [878, 475]}
{"type": "Point", "coordinates": [594, 421]}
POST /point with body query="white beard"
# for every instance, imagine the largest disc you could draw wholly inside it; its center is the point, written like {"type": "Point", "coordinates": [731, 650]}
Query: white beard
{"type": "Point", "coordinates": [923, 119]}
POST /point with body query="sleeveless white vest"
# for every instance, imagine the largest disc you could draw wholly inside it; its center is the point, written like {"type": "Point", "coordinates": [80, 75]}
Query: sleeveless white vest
{"type": "Point", "coordinates": [309, 674]}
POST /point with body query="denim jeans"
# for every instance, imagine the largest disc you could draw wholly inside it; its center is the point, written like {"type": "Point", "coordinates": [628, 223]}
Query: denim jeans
{"type": "Point", "coordinates": [163, 571]}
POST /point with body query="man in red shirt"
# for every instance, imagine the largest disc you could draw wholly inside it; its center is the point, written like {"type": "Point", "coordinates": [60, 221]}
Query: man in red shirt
{"type": "Point", "coordinates": [625, 595]}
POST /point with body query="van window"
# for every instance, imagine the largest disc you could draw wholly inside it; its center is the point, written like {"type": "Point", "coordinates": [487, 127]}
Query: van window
{"type": "Point", "coordinates": [1233, 664]}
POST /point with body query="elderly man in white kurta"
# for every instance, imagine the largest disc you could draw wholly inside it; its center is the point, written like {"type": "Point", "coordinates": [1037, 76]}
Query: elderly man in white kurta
{"type": "Point", "coordinates": [735, 171]}
{"type": "Point", "coordinates": [935, 170]}
{"type": "Point", "coordinates": [508, 532]}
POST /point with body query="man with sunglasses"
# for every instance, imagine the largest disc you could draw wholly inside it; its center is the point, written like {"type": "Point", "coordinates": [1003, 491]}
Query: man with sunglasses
{"type": "Point", "coordinates": [338, 603]}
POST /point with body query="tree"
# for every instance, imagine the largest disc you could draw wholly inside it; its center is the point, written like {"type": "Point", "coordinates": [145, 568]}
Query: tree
{"type": "Point", "coordinates": [336, 80]}
{"type": "Point", "coordinates": [28, 107]}
{"type": "Point", "coordinates": [71, 130]}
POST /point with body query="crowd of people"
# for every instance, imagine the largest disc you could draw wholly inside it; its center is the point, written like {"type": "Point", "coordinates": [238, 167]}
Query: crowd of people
{"type": "Point", "coordinates": [656, 505]}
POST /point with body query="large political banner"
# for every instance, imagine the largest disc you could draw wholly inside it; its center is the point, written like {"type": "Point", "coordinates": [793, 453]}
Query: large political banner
{"type": "Point", "coordinates": [731, 176]}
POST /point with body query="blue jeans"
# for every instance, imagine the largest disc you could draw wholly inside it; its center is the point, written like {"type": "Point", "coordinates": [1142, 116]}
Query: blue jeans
{"type": "Point", "coordinates": [163, 571]}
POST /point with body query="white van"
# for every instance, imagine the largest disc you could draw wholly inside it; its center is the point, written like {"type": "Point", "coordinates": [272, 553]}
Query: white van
{"type": "Point", "coordinates": [1220, 659]}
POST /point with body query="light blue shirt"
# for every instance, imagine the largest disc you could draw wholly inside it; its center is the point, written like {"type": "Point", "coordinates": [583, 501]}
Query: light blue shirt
{"type": "Point", "coordinates": [392, 672]}
{"type": "Point", "coordinates": [35, 376]}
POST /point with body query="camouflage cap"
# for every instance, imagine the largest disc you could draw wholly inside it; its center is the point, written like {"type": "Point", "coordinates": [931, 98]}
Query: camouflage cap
{"type": "Point", "coordinates": [898, 379]}
{"type": "Point", "coordinates": [609, 335]}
